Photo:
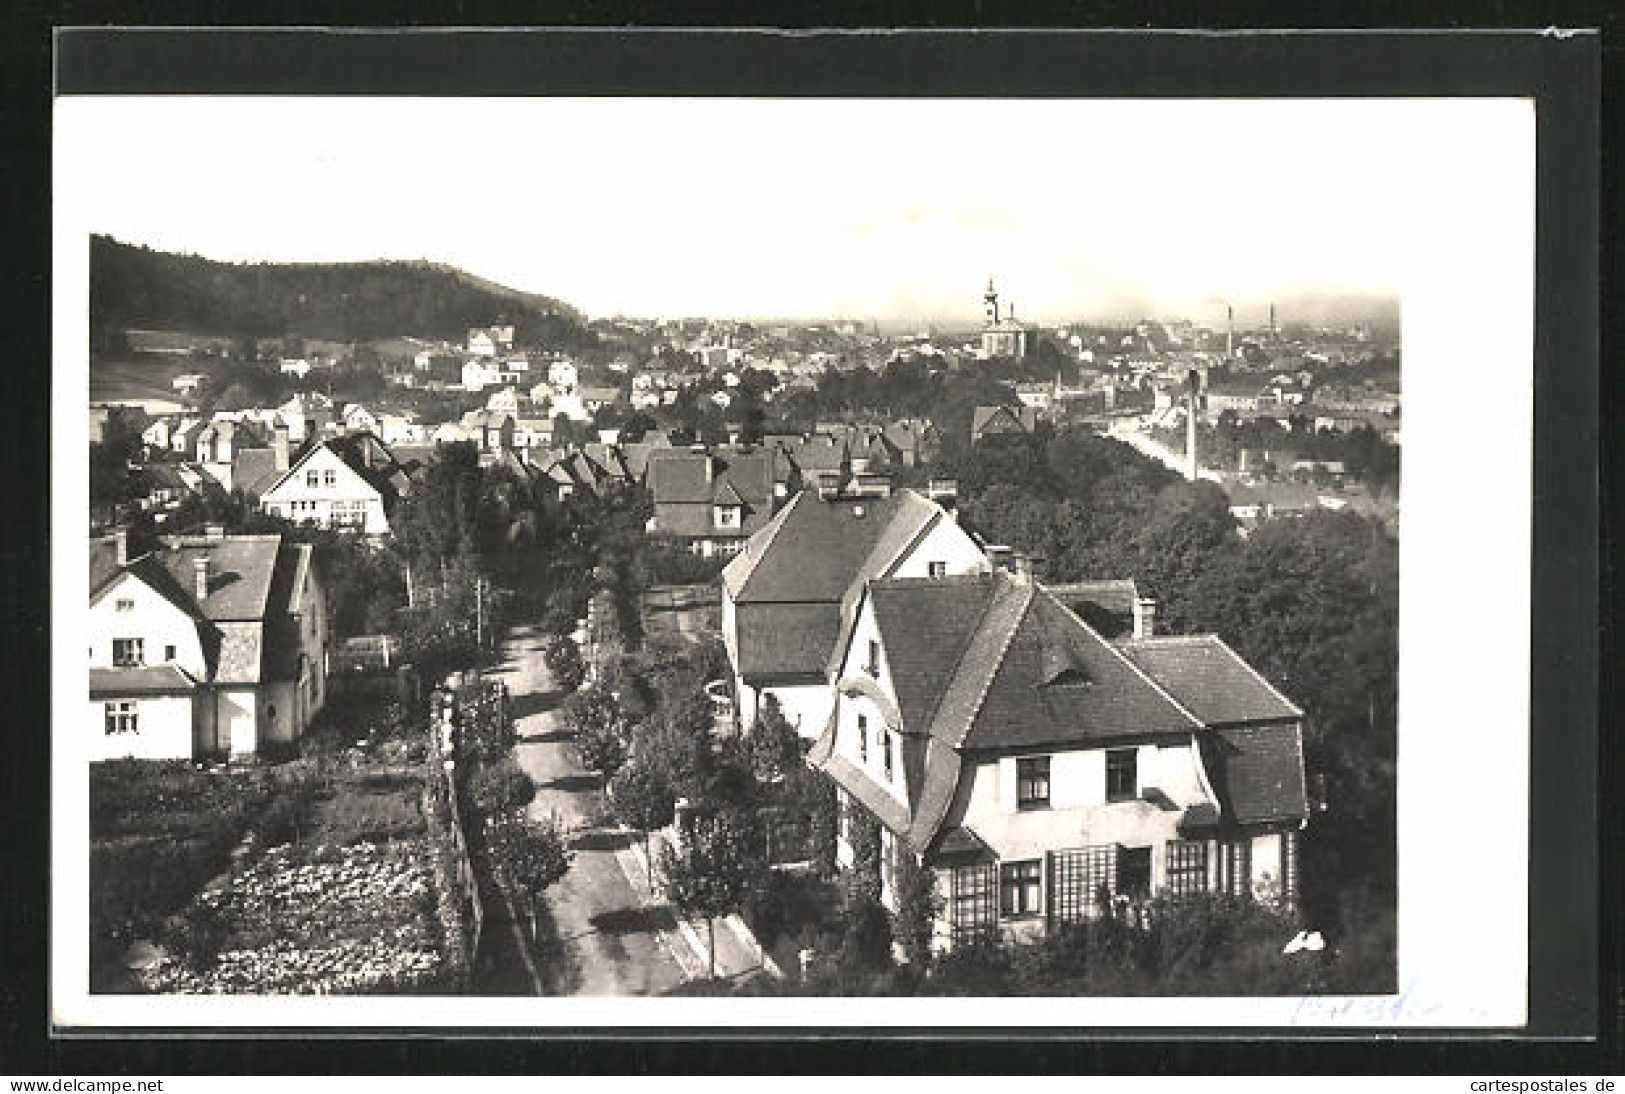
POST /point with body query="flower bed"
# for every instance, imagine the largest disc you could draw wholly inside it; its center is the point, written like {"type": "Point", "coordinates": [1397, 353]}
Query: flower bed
{"type": "Point", "coordinates": [353, 919]}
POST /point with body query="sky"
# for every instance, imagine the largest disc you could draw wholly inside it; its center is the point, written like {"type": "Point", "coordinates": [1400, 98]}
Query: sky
{"type": "Point", "coordinates": [889, 209]}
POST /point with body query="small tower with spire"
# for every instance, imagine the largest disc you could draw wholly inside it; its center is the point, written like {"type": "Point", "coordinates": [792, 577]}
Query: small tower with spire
{"type": "Point", "coordinates": [991, 299]}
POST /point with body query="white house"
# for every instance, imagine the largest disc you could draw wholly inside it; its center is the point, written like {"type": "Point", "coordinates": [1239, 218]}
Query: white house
{"type": "Point", "coordinates": [358, 419]}
{"type": "Point", "coordinates": [396, 429]}
{"type": "Point", "coordinates": [346, 482]}
{"type": "Point", "coordinates": [480, 373]}
{"type": "Point", "coordinates": [785, 596]}
{"type": "Point", "coordinates": [489, 341]}
{"type": "Point", "coordinates": [563, 374]}
{"type": "Point", "coordinates": [1043, 774]}
{"type": "Point", "coordinates": [209, 645]}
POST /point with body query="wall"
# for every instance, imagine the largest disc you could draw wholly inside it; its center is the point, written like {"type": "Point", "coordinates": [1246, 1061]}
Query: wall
{"type": "Point", "coordinates": [153, 619]}
{"type": "Point", "coordinates": [163, 730]}
{"type": "Point", "coordinates": [947, 542]}
{"type": "Point", "coordinates": [237, 721]}
{"type": "Point", "coordinates": [1079, 815]}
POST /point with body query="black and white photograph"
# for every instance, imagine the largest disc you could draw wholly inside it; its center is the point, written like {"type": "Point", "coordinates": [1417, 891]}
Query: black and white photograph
{"type": "Point", "coordinates": [639, 560]}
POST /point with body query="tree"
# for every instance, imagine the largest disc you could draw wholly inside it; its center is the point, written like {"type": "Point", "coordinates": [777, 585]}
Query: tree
{"type": "Point", "coordinates": [773, 746]}
{"type": "Point", "coordinates": [714, 870]}
{"type": "Point", "coordinates": [642, 800]}
{"type": "Point", "coordinates": [599, 733]}
{"type": "Point", "coordinates": [918, 906]}
{"type": "Point", "coordinates": [527, 856]}
{"type": "Point", "coordinates": [563, 659]}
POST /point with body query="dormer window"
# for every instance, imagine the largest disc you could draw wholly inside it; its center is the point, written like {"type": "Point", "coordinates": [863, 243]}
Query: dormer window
{"type": "Point", "coordinates": [727, 516]}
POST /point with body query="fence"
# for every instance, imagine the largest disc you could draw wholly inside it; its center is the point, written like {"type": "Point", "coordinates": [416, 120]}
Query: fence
{"type": "Point", "coordinates": [444, 789]}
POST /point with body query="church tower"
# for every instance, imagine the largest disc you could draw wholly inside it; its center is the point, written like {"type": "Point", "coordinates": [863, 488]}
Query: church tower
{"type": "Point", "coordinates": [991, 298]}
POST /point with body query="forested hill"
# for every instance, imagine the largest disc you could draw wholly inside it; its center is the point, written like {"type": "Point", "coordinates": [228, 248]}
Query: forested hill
{"type": "Point", "coordinates": [344, 302]}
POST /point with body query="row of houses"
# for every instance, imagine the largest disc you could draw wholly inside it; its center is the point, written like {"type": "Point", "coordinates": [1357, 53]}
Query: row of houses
{"type": "Point", "coordinates": [1040, 750]}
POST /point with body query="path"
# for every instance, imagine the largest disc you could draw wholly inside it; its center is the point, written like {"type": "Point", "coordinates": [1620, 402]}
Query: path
{"type": "Point", "coordinates": [599, 935]}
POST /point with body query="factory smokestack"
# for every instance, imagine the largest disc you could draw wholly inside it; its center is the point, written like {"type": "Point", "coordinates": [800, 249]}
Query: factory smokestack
{"type": "Point", "coordinates": [1192, 385]}
{"type": "Point", "coordinates": [1229, 331]}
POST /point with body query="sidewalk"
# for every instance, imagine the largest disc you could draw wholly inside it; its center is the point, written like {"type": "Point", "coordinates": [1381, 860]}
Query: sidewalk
{"type": "Point", "coordinates": [738, 953]}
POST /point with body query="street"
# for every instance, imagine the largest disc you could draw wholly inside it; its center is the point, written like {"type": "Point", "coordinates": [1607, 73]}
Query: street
{"type": "Point", "coordinates": [597, 936]}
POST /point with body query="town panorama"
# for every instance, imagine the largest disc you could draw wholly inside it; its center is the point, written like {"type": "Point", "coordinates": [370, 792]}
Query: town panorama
{"type": "Point", "coordinates": [444, 639]}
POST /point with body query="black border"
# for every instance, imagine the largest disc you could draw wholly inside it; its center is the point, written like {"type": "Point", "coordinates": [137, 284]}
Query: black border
{"type": "Point", "coordinates": [1561, 71]}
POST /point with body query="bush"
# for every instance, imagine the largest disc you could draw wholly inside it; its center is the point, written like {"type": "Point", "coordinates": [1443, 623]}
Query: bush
{"type": "Point", "coordinates": [499, 786]}
{"type": "Point", "coordinates": [196, 935]}
{"type": "Point", "coordinates": [564, 661]}
{"type": "Point", "coordinates": [866, 945]}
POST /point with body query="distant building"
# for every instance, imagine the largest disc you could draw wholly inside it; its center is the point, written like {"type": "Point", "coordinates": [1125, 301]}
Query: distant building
{"type": "Point", "coordinates": [1002, 422]}
{"type": "Point", "coordinates": [349, 482]}
{"type": "Point", "coordinates": [1002, 335]}
{"type": "Point", "coordinates": [711, 503]}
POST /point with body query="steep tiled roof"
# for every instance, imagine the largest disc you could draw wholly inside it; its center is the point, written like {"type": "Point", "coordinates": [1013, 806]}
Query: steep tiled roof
{"type": "Point", "coordinates": [816, 549]}
{"type": "Point", "coordinates": [1257, 772]}
{"type": "Point", "coordinates": [1209, 679]}
{"type": "Point", "coordinates": [786, 639]}
{"type": "Point", "coordinates": [253, 470]}
{"type": "Point", "coordinates": [1003, 419]}
{"type": "Point", "coordinates": [240, 572]}
{"type": "Point", "coordinates": [1114, 699]}
{"type": "Point", "coordinates": [925, 626]}
{"type": "Point", "coordinates": [684, 493]}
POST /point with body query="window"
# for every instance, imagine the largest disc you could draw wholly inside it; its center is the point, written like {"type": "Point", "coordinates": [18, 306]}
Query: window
{"type": "Point", "coordinates": [1187, 867]}
{"type": "Point", "coordinates": [936, 569]}
{"type": "Point", "coordinates": [727, 516]}
{"type": "Point", "coordinates": [872, 665]}
{"type": "Point", "coordinates": [1134, 871]}
{"type": "Point", "coordinates": [970, 908]}
{"type": "Point", "coordinates": [313, 478]}
{"type": "Point", "coordinates": [169, 653]}
{"type": "Point", "coordinates": [120, 717]}
{"type": "Point", "coordinates": [1121, 778]}
{"type": "Point", "coordinates": [349, 513]}
{"type": "Point", "coordinates": [330, 478]}
{"type": "Point", "coordinates": [1032, 782]}
{"type": "Point", "coordinates": [1020, 888]}
{"type": "Point", "coordinates": [886, 743]}
{"type": "Point", "coordinates": [124, 604]}
{"type": "Point", "coordinates": [863, 738]}
{"type": "Point", "coordinates": [127, 651]}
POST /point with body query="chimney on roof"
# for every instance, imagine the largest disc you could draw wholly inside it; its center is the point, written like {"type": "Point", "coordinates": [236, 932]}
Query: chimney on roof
{"type": "Point", "coordinates": [1145, 617]}
{"type": "Point", "coordinates": [1021, 568]}
{"type": "Point", "coordinates": [279, 445]}
{"type": "Point", "coordinates": [121, 545]}
{"type": "Point", "coordinates": [200, 577]}
{"type": "Point", "coordinates": [710, 467]}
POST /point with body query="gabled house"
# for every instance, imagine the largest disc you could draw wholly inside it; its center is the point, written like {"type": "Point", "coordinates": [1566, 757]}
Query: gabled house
{"type": "Point", "coordinates": [787, 594]}
{"type": "Point", "coordinates": [209, 645]}
{"type": "Point", "coordinates": [1043, 774]}
{"type": "Point", "coordinates": [999, 422]}
{"type": "Point", "coordinates": [492, 430]}
{"type": "Point", "coordinates": [709, 502]}
{"type": "Point", "coordinates": [915, 440]}
{"type": "Point", "coordinates": [489, 341]}
{"type": "Point", "coordinates": [358, 419]}
{"type": "Point", "coordinates": [347, 482]}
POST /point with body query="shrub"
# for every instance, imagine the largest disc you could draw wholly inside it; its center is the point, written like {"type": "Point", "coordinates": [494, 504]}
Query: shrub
{"type": "Point", "coordinates": [866, 945]}
{"type": "Point", "coordinates": [564, 661]}
{"type": "Point", "coordinates": [499, 786]}
{"type": "Point", "coordinates": [196, 935]}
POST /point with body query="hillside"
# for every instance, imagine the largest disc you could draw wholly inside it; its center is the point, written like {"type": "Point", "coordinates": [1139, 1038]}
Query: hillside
{"type": "Point", "coordinates": [345, 302]}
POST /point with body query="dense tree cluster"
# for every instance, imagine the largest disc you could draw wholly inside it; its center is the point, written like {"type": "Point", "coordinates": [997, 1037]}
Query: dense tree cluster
{"type": "Point", "coordinates": [345, 302]}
